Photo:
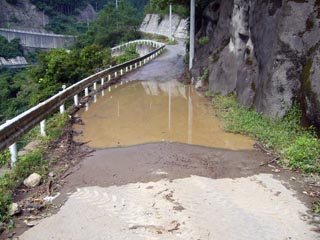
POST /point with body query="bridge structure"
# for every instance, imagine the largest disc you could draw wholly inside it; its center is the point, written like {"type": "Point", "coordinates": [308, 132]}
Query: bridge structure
{"type": "Point", "coordinates": [12, 130]}
{"type": "Point", "coordinates": [37, 40]}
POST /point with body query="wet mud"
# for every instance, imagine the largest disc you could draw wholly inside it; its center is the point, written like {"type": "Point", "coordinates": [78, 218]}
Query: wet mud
{"type": "Point", "coordinates": [148, 111]}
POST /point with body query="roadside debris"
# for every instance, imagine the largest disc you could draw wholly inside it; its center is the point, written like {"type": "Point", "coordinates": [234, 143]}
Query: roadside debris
{"type": "Point", "coordinates": [14, 209]}
{"type": "Point", "coordinates": [33, 180]}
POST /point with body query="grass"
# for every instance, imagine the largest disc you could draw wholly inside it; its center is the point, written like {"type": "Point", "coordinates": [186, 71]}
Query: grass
{"type": "Point", "coordinates": [298, 147]}
{"type": "Point", "coordinates": [33, 161]}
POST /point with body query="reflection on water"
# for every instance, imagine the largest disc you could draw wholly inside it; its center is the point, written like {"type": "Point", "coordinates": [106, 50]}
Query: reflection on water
{"type": "Point", "coordinates": [140, 112]}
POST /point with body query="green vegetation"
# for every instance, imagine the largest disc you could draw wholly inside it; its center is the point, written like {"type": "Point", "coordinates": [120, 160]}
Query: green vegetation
{"type": "Point", "coordinates": [10, 49]}
{"type": "Point", "coordinates": [162, 7]}
{"type": "Point", "coordinates": [112, 26]}
{"type": "Point", "coordinates": [298, 147]}
{"type": "Point", "coordinates": [203, 41]}
{"type": "Point", "coordinates": [159, 38]}
{"type": "Point", "coordinates": [129, 54]}
{"type": "Point", "coordinates": [32, 162]}
{"type": "Point", "coordinates": [204, 76]}
{"type": "Point", "coordinates": [20, 90]}
{"type": "Point", "coordinates": [63, 14]}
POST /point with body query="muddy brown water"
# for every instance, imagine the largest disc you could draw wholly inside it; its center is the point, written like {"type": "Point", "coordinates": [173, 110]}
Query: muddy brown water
{"type": "Point", "coordinates": [148, 111]}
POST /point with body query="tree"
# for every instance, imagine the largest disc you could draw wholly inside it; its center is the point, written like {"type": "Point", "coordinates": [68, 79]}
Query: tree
{"type": "Point", "coordinates": [112, 26]}
{"type": "Point", "coordinates": [10, 49]}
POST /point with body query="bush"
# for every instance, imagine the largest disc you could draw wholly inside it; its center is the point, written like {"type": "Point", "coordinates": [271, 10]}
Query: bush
{"type": "Point", "coordinates": [129, 54]}
{"type": "Point", "coordinates": [5, 158]}
{"type": "Point", "coordinates": [5, 201]}
{"type": "Point", "coordinates": [10, 49]}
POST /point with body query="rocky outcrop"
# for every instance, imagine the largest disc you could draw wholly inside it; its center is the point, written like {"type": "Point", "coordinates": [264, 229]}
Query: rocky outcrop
{"type": "Point", "coordinates": [267, 52]}
{"type": "Point", "coordinates": [26, 17]}
{"type": "Point", "coordinates": [155, 24]}
{"type": "Point", "coordinates": [23, 16]}
{"type": "Point", "coordinates": [87, 14]}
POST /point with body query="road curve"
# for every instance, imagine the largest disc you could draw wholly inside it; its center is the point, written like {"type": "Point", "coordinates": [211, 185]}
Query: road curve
{"type": "Point", "coordinates": [175, 191]}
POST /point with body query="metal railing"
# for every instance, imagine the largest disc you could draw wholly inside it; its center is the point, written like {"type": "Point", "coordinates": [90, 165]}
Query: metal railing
{"type": "Point", "coordinates": [15, 128]}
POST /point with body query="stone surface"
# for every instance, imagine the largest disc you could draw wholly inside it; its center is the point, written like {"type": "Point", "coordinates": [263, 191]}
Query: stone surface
{"type": "Point", "coordinates": [26, 16]}
{"type": "Point", "coordinates": [87, 14]}
{"type": "Point", "coordinates": [260, 50]}
{"type": "Point", "coordinates": [33, 180]}
{"type": "Point", "coordinates": [155, 24]}
{"type": "Point", "coordinates": [14, 209]}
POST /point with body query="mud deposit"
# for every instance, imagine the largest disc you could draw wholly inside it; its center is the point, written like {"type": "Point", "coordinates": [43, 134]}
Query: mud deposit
{"type": "Point", "coordinates": [145, 111]}
{"type": "Point", "coordinates": [175, 191]}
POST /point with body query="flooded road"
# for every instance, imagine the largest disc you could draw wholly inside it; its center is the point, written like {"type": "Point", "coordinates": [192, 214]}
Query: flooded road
{"type": "Point", "coordinates": [149, 178]}
{"type": "Point", "coordinates": [150, 111]}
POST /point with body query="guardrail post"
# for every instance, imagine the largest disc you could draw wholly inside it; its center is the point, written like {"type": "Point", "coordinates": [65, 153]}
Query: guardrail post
{"type": "Point", "coordinates": [43, 128]}
{"type": "Point", "coordinates": [109, 77]}
{"type": "Point", "coordinates": [109, 89]}
{"type": "Point", "coordinates": [13, 153]}
{"type": "Point", "coordinates": [95, 86]}
{"type": "Point", "coordinates": [102, 82]}
{"type": "Point", "coordinates": [86, 92]}
{"type": "Point", "coordinates": [121, 72]}
{"type": "Point", "coordinates": [62, 109]}
{"type": "Point", "coordinates": [130, 67]}
{"type": "Point", "coordinates": [115, 74]}
{"type": "Point", "coordinates": [126, 69]}
{"type": "Point", "coordinates": [140, 63]}
{"type": "Point", "coordinates": [76, 100]}
{"type": "Point", "coordinates": [135, 65]}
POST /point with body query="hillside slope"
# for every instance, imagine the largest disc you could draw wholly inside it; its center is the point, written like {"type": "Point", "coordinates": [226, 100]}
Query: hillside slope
{"type": "Point", "coordinates": [23, 15]}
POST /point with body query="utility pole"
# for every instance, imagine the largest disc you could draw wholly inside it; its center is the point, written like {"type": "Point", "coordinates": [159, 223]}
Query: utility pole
{"type": "Point", "coordinates": [170, 20]}
{"type": "Point", "coordinates": [192, 32]}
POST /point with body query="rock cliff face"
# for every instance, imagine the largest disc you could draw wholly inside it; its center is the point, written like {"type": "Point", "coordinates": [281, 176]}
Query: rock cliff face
{"type": "Point", "coordinates": [267, 52]}
{"type": "Point", "coordinates": [153, 23]}
{"type": "Point", "coordinates": [23, 16]}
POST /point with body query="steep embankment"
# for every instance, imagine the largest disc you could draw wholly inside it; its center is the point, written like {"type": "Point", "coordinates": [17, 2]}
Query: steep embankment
{"type": "Point", "coordinates": [267, 52]}
{"type": "Point", "coordinates": [155, 24]}
{"type": "Point", "coordinates": [22, 15]}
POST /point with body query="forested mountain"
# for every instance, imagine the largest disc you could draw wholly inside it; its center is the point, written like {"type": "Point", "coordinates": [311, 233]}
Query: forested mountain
{"type": "Point", "coordinates": [71, 7]}
{"type": "Point", "coordinates": [59, 16]}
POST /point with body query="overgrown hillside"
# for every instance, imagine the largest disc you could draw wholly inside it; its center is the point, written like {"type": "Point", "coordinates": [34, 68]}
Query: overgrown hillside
{"type": "Point", "coordinates": [61, 16]}
{"type": "Point", "coordinates": [22, 89]}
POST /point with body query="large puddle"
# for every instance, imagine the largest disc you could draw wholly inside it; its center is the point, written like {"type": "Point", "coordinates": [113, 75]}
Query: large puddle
{"type": "Point", "coordinates": [148, 111]}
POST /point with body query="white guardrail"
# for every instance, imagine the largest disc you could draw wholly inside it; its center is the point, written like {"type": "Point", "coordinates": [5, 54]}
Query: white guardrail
{"type": "Point", "coordinates": [15, 128]}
